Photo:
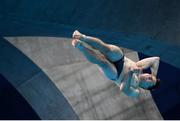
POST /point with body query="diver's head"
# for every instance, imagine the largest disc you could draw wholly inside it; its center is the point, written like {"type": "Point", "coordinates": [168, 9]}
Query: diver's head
{"type": "Point", "coordinates": [148, 81]}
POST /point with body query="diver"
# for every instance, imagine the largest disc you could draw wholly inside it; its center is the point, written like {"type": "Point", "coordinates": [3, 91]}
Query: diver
{"type": "Point", "coordinates": [124, 72]}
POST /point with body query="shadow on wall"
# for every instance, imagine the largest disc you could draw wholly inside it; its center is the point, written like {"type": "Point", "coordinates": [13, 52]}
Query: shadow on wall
{"type": "Point", "coordinates": [20, 73]}
{"type": "Point", "coordinates": [12, 104]}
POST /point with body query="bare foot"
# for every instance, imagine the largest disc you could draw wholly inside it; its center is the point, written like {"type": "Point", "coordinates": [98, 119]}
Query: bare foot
{"type": "Point", "coordinates": [74, 42]}
{"type": "Point", "coordinates": [77, 35]}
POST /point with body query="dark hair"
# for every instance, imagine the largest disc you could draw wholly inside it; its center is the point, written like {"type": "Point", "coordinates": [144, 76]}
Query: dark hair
{"type": "Point", "coordinates": [154, 86]}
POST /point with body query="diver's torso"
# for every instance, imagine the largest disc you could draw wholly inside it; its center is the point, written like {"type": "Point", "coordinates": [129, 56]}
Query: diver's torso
{"type": "Point", "coordinates": [126, 68]}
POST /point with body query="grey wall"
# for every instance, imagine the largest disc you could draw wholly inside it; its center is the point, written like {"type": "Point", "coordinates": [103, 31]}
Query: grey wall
{"type": "Point", "coordinates": [90, 93]}
{"type": "Point", "coordinates": [33, 84]}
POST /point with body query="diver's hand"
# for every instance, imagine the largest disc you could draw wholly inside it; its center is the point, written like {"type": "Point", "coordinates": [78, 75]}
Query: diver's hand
{"type": "Point", "coordinates": [135, 69]}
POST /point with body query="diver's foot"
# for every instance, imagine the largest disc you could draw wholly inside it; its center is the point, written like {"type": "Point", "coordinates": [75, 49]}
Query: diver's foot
{"type": "Point", "coordinates": [75, 42]}
{"type": "Point", "coordinates": [83, 45]}
{"type": "Point", "coordinates": [77, 35]}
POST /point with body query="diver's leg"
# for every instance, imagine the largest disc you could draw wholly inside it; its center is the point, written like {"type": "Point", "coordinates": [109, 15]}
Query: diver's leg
{"type": "Point", "coordinates": [152, 63]}
{"type": "Point", "coordinates": [95, 57]}
{"type": "Point", "coordinates": [112, 52]}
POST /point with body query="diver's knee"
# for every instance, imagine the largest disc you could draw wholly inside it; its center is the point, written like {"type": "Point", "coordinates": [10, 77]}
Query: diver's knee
{"type": "Point", "coordinates": [114, 53]}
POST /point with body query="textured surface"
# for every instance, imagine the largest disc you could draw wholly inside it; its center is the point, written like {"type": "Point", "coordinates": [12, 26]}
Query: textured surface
{"type": "Point", "coordinates": [91, 95]}
{"type": "Point", "coordinates": [33, 84]}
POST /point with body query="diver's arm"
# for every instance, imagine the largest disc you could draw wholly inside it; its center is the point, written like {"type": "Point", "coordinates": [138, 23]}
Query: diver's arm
{"type": "Point", "coordinates": [132, 92]}
{"type": "Point", "coordinates": [126, 86]}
